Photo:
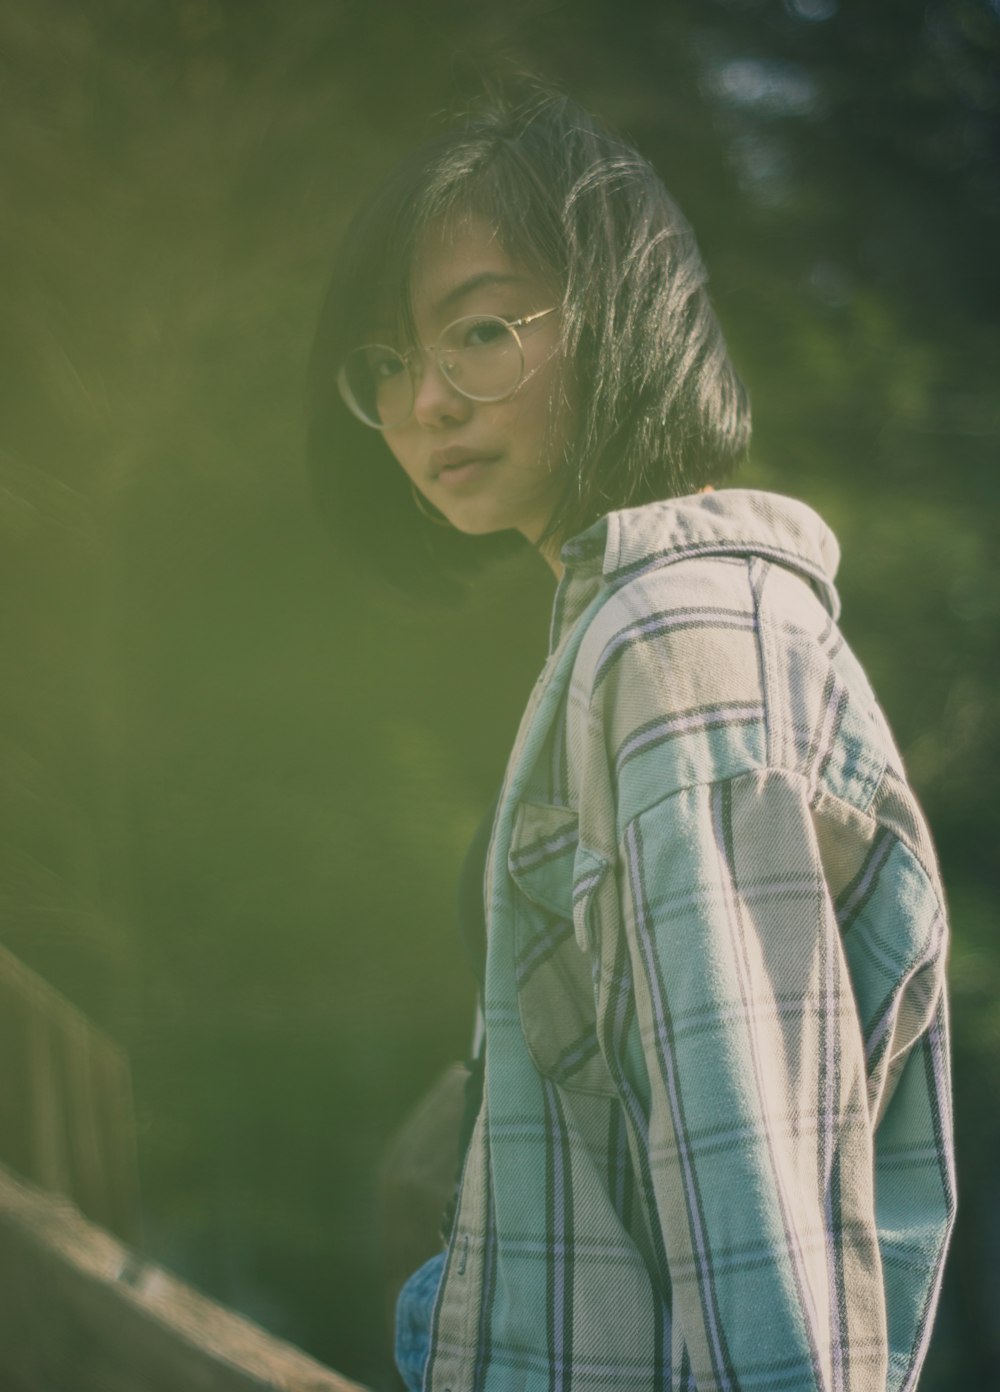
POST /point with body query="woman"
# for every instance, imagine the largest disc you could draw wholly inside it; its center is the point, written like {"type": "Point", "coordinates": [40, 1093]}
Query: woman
{"type": "Point", "coordinates": [713, 1148]}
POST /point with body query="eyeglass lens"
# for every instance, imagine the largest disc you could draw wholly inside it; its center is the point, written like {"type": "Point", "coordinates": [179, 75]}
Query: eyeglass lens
{"type": "Point", "coordinates": [479, 355]}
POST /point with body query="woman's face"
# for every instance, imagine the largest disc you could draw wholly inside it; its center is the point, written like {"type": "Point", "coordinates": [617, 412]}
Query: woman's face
{"type": "Point", "coordinates": [486, 465]}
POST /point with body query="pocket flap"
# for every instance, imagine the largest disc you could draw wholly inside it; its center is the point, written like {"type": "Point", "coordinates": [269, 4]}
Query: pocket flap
{"type": "Point", "coordinates": [551, 868]}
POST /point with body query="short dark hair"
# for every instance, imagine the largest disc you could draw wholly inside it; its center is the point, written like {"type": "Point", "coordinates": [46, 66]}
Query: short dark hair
{"type": "Point", "coordinates": [662, 411]}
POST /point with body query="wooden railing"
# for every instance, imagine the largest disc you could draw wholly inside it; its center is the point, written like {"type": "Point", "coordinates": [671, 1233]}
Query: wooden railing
{"type": "Point", "coordinates": [65, 1102]}
{"type": "Point", "coordinates": [80, 1310]}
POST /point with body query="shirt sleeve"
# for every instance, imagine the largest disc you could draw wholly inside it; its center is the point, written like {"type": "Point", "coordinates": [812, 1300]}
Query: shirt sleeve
{"type": "Point", "coordinates": [792, 1084]}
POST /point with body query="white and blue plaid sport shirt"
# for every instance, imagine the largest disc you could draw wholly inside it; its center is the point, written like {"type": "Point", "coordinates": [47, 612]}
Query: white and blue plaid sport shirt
{"type": "Point", "coordinates": [715, 1145]}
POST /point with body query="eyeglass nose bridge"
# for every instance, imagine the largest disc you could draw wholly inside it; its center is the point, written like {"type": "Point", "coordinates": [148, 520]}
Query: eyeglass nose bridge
{"type": "Point", "coordinates": [412, 361]}
{"type": "Point", "coordinates": [415, 357]}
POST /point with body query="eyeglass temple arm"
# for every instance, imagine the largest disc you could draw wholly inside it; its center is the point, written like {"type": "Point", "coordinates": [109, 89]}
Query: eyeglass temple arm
{"type": "Point", "coordinates": [530, 318]}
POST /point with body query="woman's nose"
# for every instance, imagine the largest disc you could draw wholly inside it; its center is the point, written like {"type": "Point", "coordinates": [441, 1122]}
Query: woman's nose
{"type": "Point", "coordinates": [435, 399]}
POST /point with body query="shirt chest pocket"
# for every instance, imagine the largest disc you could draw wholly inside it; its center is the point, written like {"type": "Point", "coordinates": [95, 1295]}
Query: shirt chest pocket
{"type": "Point", "coordinates": [555, 879]}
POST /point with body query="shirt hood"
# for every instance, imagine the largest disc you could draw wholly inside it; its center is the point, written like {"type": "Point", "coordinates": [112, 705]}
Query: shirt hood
{"type": "Point", "coordinates": [733, 522]}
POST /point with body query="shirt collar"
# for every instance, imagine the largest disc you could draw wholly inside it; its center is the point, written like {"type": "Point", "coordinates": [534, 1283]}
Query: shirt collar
{"type": "Point", "coordinates": [733, 522]}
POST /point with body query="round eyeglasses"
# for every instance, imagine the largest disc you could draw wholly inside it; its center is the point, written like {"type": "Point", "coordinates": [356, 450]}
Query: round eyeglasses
{"type": "Point", "coordinates": [480, 355]}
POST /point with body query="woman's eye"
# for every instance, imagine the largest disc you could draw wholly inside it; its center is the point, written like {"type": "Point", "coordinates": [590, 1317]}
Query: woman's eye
{"type": "Point", "coordinates": [385, 367]}
{"type": "Point", "coordinates": [484, 332]}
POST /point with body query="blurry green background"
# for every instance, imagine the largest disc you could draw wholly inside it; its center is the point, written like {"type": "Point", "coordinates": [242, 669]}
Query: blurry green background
{"type": "Point", "coordinates": [236, 791]}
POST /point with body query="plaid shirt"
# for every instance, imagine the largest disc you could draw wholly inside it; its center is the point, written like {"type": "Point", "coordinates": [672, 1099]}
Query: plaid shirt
{"type": "Point", "coordinates": [715, 1144]}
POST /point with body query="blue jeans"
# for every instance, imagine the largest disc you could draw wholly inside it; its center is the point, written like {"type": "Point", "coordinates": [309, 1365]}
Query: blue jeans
{"type": "Point", "coordinates": [413, 1321]}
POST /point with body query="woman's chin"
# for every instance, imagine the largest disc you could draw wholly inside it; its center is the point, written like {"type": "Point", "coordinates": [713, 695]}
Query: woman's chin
{"type": "Point", "coordinates": [474, 523]}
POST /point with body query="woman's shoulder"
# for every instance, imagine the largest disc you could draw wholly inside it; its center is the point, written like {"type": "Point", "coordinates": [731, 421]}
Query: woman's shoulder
{"type": "Point", "coordinates": [703, 564]}
{"type": "Point", "coordinates": [725, 646]}
{"type": "Point", "coordinates": [666, 616]}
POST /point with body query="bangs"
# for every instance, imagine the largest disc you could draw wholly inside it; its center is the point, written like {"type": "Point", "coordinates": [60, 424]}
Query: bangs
{"type": "Point", "coordinates": [474, 181]}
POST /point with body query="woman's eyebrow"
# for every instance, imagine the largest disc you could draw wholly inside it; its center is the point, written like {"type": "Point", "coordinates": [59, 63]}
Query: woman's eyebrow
{"type": "Point", "coordinates": [476, 282]}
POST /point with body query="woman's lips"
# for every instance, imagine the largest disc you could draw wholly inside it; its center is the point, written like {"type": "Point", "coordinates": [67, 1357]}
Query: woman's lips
{"type": "Point", "coordinates": [457, 466]}
{"type": "Point", "coordinates": [456, 474]}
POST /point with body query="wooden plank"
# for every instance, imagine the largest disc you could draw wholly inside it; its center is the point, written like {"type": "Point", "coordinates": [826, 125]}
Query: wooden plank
{"type": "Point", "coordinates": [80, 1310]}
{"type": "Point", "coordinates": [65, 1101]}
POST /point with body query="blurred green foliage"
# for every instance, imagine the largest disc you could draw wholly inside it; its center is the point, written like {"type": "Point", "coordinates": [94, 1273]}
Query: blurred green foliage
{"type": "Point", "coordinates": [196, 691]}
